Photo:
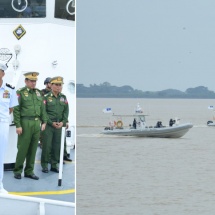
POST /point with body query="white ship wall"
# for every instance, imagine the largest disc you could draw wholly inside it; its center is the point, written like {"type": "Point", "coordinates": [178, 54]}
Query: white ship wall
{"type": "Point", "coordinates": [42, 44]}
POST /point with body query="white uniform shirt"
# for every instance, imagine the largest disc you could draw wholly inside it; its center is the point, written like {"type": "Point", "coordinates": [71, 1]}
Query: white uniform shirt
{"type": "Point", "coordinates": [8, 99]}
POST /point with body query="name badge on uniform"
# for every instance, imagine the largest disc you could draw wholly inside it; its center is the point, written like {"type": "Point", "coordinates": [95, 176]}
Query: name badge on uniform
{"type": "Point", "coordinates": [6, 94]}
{"type": "Point", "coordinates": [61, 99]}
{"type": "Point", "coordinates": [50, 99]}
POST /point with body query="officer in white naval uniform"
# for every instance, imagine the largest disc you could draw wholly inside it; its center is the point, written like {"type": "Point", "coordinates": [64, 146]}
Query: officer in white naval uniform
{"type": "Point", "coordinates": [8, 100]}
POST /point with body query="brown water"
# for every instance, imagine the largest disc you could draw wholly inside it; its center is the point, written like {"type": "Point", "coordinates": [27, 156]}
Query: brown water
{"type": "Point", "coordinates": [149, 176]}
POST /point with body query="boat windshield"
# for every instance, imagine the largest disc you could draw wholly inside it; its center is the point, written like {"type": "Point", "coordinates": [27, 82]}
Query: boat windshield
{"type": "Point", "coordinates": [22, 8]}
{"type": "Point", "coordinates": [142, 118]}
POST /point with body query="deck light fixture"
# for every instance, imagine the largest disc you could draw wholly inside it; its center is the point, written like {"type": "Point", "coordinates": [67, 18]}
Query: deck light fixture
{"type": "Point", "coordinates": [15, 64]}
{"type": "Point", "coordinates": [17, 49]}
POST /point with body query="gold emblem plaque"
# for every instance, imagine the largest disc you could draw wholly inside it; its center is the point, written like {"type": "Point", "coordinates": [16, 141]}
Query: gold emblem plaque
{"type": "Point", "coordinates": [19, 32]}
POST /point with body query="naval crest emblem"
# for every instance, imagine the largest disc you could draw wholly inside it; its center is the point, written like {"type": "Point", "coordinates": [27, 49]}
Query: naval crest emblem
{"type": "Point", "coordinates": [19, 32]}
{"type": "Point", "coordinates": [6, 94]}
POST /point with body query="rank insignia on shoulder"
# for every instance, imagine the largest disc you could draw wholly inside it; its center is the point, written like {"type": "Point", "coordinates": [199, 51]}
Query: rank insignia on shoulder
{"type": "Point", "coordinates": [37, 92]}
{"type": "Point", "coordinates": [10, 86]}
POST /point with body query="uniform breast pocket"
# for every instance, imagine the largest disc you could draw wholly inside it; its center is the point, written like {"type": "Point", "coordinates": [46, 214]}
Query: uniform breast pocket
{"type": "Point", "coordinates": [50, 104]}
{"type": "Point", "coordinates": [27, 101]}
{"type": "Point", "coordinates": [39, 101]}
{"type": "Point", "coordinates": [62, 106]}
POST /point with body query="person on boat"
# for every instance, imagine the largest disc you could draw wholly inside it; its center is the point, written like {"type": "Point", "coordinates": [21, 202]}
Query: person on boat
{"type": "Point", "coordinates": [171, 122]}
{"type": "Point", "coordinates": [48, 86]}
{"type": "Point", "coordinates": [57, 109]}
{"type": "Point", "coordinates": [159, 124]}
{"type": "Point", "coordinates": [8, 100]}
{"type": "Point", "coordinates": [28, 116]}
{"type": "Point", "coordinates": [134, 124]}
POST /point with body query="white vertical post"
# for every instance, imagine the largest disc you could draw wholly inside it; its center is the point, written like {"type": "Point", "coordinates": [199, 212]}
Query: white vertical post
{"type": "Point", "coordinates": [61, 156]}
{"type": "Point", "coordinates": [42, 208]}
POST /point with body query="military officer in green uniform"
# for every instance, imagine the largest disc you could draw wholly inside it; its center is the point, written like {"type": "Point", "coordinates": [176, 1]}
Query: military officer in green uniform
{"type": "Point", "coordinates": [57, 109]}
{"type": "Point", "coordinates": [29, 117]}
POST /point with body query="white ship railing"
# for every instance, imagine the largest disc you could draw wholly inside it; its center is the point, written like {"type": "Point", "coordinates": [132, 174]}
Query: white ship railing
{"type": "Point", "coordinates": [14, 204]}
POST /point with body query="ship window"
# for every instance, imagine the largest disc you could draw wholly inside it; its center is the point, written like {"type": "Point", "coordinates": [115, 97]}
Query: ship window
{"type": "Point", "coordinates": [65, 9]}
{"type": "Point", "coordinates": [19, 9]}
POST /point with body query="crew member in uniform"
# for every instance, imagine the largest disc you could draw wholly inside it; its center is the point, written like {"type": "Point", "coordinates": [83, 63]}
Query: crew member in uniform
{"type": "Point", "coordinates": [48, 86]}
{"type": "Point", "coordinates": [8, 100]}
{"type": "Point", "coordinates": [28, 116]}
{"type": "Point", "coordinates": [57, 109]}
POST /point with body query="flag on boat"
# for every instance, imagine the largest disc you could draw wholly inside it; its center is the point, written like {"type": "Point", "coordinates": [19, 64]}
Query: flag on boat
{"type": "Point", "coordinates": [211, 107]}
{"type": "Point", "coordinates": [107, 110]}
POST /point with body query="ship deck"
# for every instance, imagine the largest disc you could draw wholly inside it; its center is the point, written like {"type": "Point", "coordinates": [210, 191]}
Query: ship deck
{"type": "Point", "coordinates": [47, 185]}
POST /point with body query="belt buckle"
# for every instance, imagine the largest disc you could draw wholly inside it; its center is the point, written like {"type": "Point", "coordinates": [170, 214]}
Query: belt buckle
{"type": "Point", "coordinates": [36, 118]}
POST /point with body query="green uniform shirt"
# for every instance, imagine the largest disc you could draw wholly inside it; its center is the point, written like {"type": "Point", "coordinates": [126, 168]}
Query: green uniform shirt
{"type": "Point", "coordinates": [30, 105]}
{"type": "Point", "coordinates": [45, 91]}
{"type": "Point", "coordinates": [57, 108]}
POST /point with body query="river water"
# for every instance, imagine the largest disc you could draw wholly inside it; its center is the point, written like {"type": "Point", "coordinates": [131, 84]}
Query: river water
{"type": "Point", "coordinates": [145, 176]}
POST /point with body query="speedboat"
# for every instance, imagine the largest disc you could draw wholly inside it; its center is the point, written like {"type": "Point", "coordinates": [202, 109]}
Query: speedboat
{"type": "Point", "coordinates": [140, 129]}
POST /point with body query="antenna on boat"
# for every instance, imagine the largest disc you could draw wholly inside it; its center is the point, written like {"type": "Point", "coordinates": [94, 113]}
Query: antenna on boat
{"type": "Point", "coordinates": [19, 3]}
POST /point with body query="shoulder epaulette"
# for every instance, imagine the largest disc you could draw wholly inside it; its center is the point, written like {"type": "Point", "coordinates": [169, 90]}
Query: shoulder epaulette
{"type": "Point", "coordinates": [10, 86]}
{"type": "Point", "coordinates": [47, 94]}
{"type": "Point", "coordinates": [20, 89]}
{"type": "Point", "coordinates": [37, 89]}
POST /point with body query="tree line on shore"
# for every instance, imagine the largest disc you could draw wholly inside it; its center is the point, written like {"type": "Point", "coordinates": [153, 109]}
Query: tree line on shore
{"type": "Point", "coordinates": [106, 90]}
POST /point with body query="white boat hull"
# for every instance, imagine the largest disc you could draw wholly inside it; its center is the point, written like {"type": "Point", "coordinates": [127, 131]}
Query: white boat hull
{"type": "Point", "coordinates": [176, 131]}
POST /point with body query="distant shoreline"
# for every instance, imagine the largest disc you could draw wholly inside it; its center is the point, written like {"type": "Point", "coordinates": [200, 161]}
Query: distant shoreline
{"type": "Point", "coordinates": [106, 90]}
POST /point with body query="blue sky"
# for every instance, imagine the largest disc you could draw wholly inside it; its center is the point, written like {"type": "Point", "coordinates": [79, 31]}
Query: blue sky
{"type": "Point", "coordinates": [149, 45]}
